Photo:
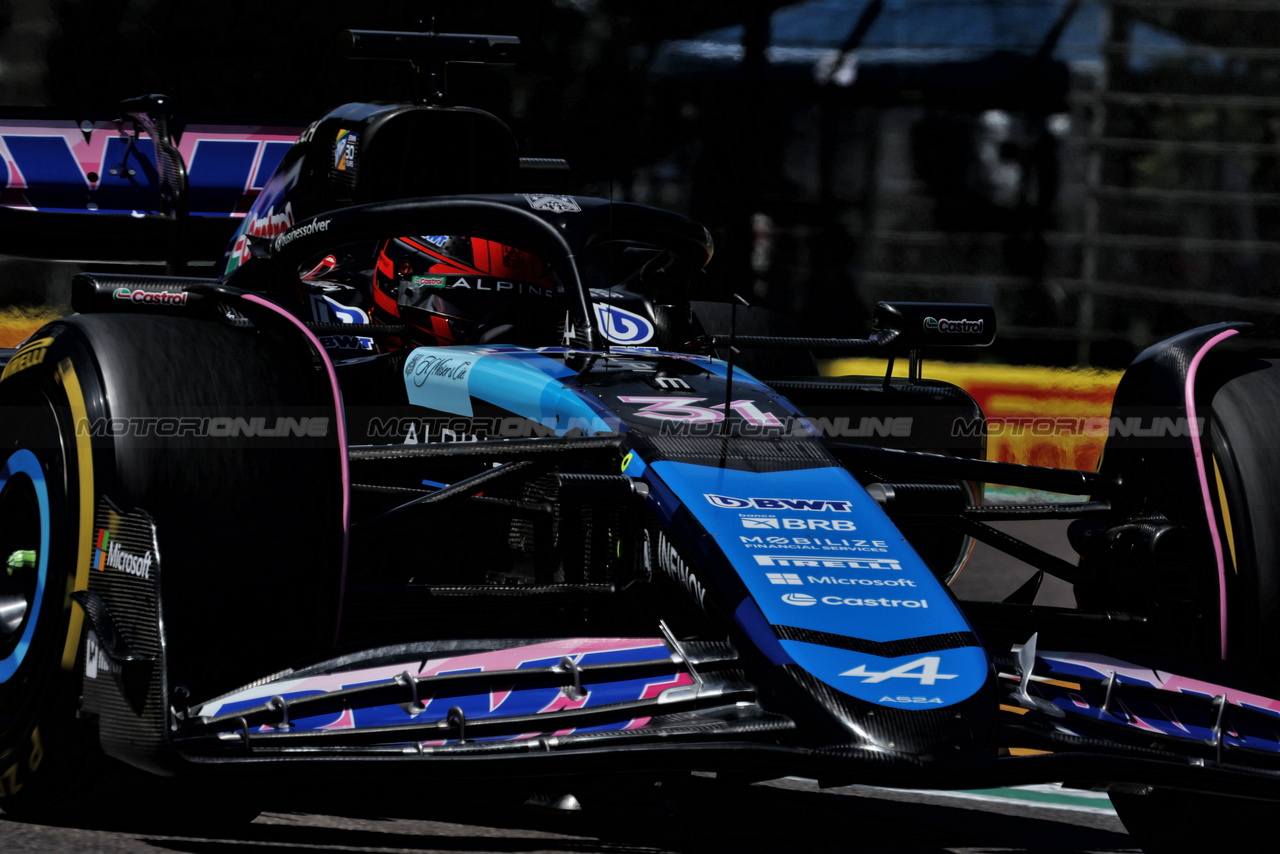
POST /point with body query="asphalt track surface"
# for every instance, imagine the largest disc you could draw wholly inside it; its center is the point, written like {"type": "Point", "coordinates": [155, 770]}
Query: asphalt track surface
{"type": "Point", "coordinates": [691, 814]}
{"type": "Point", "coordinates": [704, 815]}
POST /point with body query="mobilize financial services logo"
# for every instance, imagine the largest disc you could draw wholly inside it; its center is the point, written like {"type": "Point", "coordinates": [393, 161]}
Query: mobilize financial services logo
{"type": "Point", "coordinates": [813, 505]}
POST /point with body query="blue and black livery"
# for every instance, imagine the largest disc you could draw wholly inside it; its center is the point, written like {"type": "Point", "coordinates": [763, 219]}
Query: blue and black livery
{"type": "Point", "coordinates": [632, 544]}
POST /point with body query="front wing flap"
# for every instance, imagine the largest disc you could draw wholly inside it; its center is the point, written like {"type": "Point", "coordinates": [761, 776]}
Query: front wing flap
{"type": "Point", "coordinates": [586, 704]}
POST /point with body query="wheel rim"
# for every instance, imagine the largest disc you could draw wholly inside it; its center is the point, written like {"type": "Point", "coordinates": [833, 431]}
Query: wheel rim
{"type": "Point", "coordinates": [24, 556]}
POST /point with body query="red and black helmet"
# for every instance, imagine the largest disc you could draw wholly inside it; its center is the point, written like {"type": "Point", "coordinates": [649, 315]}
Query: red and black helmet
{"type": "Point", "coordinates": [459, 290]}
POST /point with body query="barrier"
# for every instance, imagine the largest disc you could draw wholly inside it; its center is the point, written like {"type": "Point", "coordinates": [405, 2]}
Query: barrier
{"type": "Point", "coordinates": [1036, 416]}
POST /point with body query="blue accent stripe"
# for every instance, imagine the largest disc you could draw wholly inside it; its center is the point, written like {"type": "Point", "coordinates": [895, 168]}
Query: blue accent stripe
{"type": "Point", "coordinates": [23, 461]}
{"type": "Point", "coordinates": [518, 380]}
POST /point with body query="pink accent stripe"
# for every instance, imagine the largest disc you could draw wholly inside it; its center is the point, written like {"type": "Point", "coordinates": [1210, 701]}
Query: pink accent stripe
{"type": "Point", "coordinates": [342, 442]}
{"type": "Point", "coordinates": [1204, 483]}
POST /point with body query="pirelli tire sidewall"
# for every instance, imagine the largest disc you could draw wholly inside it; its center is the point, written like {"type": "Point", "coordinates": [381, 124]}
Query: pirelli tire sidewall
{"type": "Point", "coordinates": [43, 746]}
{"type": "Point", "coordinates": [249, 526]}
{"type": "Point", "coordinates": [249, 533]}
{"type": "Point", "coordinates": [1242, 463]}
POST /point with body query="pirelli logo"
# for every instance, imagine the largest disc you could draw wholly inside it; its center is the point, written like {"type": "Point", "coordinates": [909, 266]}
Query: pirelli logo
{"type": "Point", "coordinates": [829, 562]}
{"type": "Point", "coordinates": [31, 354]}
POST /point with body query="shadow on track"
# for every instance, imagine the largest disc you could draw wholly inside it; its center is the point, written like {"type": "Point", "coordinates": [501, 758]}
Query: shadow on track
{"type": "Point", "coordinates": [694, 815]}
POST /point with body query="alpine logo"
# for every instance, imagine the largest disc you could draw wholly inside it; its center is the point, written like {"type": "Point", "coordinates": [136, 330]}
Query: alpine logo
{"type": "Point", "coordinates": [112, 554]}
{"type": "Point", "coordinates": [925, 669]}
{"type": "Point", "coordinates": [813, 505]}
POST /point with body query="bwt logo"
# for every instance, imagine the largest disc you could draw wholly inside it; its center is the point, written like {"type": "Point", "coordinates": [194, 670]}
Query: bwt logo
{"type": "Point", "coordinates": [934, 324]}
{"type": "Point", "coordinates": [346, 342]}
{"type": "Point", "coordinates": [814, 505]}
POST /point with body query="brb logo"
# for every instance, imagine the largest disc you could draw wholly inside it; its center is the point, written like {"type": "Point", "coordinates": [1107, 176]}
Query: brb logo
{"type": "Point", "coordinates": [761, 523]}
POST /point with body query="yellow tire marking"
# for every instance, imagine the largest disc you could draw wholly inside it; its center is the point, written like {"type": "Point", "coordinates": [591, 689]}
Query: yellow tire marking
{"type": "Point", "coordinates": [84, 462]}
{"type": "Point", "coordinates": [1226, 515]}
{"type": "Point", "coordinates": [31, 353]}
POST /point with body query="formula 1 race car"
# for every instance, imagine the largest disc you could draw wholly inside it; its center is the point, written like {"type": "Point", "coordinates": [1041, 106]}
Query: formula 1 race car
{"type": "Point", "coordinates": [446, 474]}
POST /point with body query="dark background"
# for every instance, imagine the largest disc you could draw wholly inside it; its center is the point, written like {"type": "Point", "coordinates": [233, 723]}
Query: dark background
{"type": "Point", "coordinates": [1106, 173]}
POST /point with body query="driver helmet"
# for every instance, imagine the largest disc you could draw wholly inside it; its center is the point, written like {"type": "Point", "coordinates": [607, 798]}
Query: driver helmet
{"type": "Point", "coordinates": [461, 290]}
